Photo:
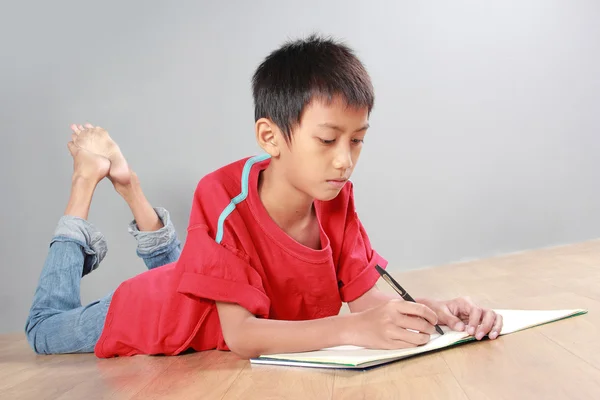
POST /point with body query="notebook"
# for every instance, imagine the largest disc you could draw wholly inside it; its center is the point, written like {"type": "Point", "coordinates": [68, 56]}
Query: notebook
{"type": "Point", "coordinates": [352, 357]}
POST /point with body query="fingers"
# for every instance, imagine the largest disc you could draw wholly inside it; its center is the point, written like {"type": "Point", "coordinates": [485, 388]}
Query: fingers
{"type": "Point", "coordinates": [89, 126]}
{"type": "Point", "coordinates": [489, 317]}
{"type": "Point", "coordinates": [497, 328]}
{"type": "Point", "coordinates": [415, 309]}
{"type": "Point", "coordinates": [452, 321]}
{"type": "Point", "coordinates": [474, 318]}
{"type": "Point", "coordinates": [75, 129]}
{"type": "Point", "coordinates": [407, 324]}
{"type": "Point", "coordinates": [398, 333]}
{"type": "Point", "coordinates": [415, 323]}
{"type": "Point", "coordinates": [394, 345]}
{"type": "Point", "coordinates": [482, 321]}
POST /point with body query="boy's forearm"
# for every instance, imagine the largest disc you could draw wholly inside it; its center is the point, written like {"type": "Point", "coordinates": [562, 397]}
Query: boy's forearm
{"type": "Point", "coordinates": [266, 336]}
{"type": "Point", "coordinates": [374, 297]}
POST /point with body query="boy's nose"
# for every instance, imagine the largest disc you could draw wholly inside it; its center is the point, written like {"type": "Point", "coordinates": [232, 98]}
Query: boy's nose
{"type": "Point", "coordinates": [343, 160]}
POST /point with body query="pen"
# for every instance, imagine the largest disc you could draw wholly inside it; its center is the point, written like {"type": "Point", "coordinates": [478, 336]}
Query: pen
{"type": "Point", "coordinates": [403, 293]}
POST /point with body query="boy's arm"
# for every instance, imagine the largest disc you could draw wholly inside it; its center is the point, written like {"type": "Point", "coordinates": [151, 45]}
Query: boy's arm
{"type": "Point", "coordinates": [374, 297]}
{"type": "Point", "coordinates": [249, 336]}
{"type": "Point", "coordinates": [371, 298]}
{"type": "Point", "coordinates": [390, 326]}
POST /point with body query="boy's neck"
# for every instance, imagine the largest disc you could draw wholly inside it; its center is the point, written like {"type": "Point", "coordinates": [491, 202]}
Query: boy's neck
{"type": "Point", "coordinates": [286, 205]}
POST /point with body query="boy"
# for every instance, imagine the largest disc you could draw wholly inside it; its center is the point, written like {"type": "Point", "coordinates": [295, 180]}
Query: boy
{"type": "Point", "coordinates": [274, 244]}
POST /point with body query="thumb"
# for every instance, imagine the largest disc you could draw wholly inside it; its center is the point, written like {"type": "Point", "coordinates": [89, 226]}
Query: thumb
{"type": "Point", "coordinates": [452, 321]}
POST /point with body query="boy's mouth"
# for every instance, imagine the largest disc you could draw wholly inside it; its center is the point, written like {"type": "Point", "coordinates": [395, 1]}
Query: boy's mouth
{"type": "Point", "coordinates": [337, 183]}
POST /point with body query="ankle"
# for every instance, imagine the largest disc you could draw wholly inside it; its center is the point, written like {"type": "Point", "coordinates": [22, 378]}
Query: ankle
{"type": "Point", "coordinates": [82, 190]}
{"type": "Point", "coordinates": [130, 191]}
{"type": "Point", "coordinates": [124, 189]}
{"type": "Point", "coordinates": [79, 180]}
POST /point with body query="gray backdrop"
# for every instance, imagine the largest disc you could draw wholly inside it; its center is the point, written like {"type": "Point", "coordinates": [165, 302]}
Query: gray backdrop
{"type": "Point", "coordinates": [484, 136]}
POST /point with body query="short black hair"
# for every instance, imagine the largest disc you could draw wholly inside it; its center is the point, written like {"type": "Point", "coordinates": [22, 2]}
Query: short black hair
{"type": "Point", "coordinates": [293, 75]}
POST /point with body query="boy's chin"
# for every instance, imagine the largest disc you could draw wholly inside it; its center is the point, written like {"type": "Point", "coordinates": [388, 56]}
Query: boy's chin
{"type": "Point", "coordinates": [326, 196]}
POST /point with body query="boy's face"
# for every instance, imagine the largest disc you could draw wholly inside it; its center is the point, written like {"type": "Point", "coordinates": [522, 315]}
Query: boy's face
{"type": "Point", "coordinates": [324, 148]}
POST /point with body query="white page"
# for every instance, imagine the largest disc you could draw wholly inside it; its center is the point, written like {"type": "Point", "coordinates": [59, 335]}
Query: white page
{"type": "Point", "coordinates": [515, 320]}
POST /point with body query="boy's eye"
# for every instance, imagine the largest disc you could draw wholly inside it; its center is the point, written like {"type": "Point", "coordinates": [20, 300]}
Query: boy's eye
{"type": "Point", "coordinates": [325, 141]}
{"type": "Point", "coordinates": [358, 141]}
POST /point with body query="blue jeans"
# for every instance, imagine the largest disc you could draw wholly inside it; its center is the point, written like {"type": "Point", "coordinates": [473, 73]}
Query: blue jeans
{"type": "Point", "coordinates": [57, 321]}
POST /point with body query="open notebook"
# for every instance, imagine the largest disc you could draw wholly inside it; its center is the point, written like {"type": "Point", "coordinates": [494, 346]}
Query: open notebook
{"type": "Point", "coordinates": [353, 357]}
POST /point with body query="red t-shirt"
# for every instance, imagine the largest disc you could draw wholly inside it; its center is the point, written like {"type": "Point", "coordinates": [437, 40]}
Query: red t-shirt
{"type": "Point", "coordinates": [234, 252]}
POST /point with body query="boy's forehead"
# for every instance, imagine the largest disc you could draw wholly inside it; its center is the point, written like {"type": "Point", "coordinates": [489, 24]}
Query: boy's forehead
{"type": "Point", "coordinates": [336, 110]}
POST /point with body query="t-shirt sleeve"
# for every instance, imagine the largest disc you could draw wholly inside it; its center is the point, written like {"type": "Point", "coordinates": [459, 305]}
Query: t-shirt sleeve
{"type": "Point", "coordinates": [356, 267]}
{"type": "Point", "coordinates": [217, 271]}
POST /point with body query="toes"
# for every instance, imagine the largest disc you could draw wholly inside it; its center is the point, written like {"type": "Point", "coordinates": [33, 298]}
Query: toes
{"type": "Point", "coordinates": [72, 148]}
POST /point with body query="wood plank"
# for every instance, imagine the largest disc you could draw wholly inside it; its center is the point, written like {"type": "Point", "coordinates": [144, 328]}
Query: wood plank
{"type": "Point", "coordinates": [523, 365]}
{"type": "Point", "coordinates": [25, 375]}
{"type": "Point", "coordinates": [579, 335]}
{"type": "Point", "coordinates": [18, 363]}
{"type": "Point", "coordinates": [51, 379]}
{"type": "Point", "coordinates": [207, 375]}
{"type": "Point", "coordinates": [270, 382]}
{"type": "Point", "coordinates": [118, 378]}
{"type": "Point", "coordinates": [422, 377]}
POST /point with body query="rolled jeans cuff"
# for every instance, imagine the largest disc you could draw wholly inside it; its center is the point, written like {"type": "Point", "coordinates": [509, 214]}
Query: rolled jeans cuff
{"type": "Point", "coordinates": [152, 243]}
{"type": "Point", "coordinates": [84, 233]}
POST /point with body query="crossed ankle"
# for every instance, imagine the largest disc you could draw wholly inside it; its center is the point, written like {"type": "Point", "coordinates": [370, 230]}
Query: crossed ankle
{"type": "Point", "coordinates": [127, 190]}
{"type": "Point", "coordinates": [79, 179]}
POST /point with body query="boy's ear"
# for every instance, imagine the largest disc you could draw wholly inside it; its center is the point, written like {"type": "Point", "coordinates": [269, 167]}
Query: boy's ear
{"type": "Point", "coordinates": [267, 135]}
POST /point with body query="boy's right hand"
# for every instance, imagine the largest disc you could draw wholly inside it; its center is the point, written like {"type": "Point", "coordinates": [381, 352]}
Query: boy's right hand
{"type": "Point", "coordinates": [387, 326]}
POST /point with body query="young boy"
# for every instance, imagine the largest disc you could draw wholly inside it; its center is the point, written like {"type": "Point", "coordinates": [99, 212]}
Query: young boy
{"type": "Point", "coordinates": [274, 244]}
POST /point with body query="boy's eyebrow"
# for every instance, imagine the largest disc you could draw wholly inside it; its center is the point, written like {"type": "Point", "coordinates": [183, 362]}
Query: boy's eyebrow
{"type": "Point", "coordinates": [338, 128]}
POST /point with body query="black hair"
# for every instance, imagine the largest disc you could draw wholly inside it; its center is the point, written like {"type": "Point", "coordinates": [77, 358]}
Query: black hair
{"type": "Point", "coordinates": [293, 75]}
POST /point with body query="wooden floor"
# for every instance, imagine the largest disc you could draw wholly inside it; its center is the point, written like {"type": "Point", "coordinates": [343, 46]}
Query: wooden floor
{"type": "Point", "coordinates": [555, 361]}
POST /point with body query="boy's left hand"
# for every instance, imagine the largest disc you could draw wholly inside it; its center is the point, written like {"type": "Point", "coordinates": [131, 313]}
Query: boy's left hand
{"type": "Point", "coordinates": [461, 313]}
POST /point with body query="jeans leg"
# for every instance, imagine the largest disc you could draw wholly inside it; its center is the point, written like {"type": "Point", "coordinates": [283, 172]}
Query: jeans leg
{"type": "Point", "coordinates": [57, 323]}
{"type": "Point", "coordinates": [157, 248]}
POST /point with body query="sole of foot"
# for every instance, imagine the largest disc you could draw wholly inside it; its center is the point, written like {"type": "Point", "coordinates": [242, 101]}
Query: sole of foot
{"type": "Point", "coordinates": [88, 166]}
{"type": "Point", "coordinates": [96, 140]}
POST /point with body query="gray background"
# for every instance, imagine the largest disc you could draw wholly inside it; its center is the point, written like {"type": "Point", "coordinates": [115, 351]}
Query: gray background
{"type": "Point", "coordinates": [484, 137]}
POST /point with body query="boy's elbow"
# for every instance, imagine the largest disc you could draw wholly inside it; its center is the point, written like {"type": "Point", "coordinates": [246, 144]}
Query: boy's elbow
{"type": "Point", "coordinates": [239, 331]}
{"type": "Point", "coordinates": [245, 354]}
{"type": "Point", "coordinates": [241, 347]}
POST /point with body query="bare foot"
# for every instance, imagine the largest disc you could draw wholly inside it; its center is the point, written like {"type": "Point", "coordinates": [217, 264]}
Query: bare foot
{"type": "Point", "coordinates": [88, 166]}
{"type": "Point", "coordinates": [96, 140]}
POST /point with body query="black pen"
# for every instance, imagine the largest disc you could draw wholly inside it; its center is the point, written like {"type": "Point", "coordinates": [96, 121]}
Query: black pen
{"type": "Point", "coordinates": [403, 293]}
